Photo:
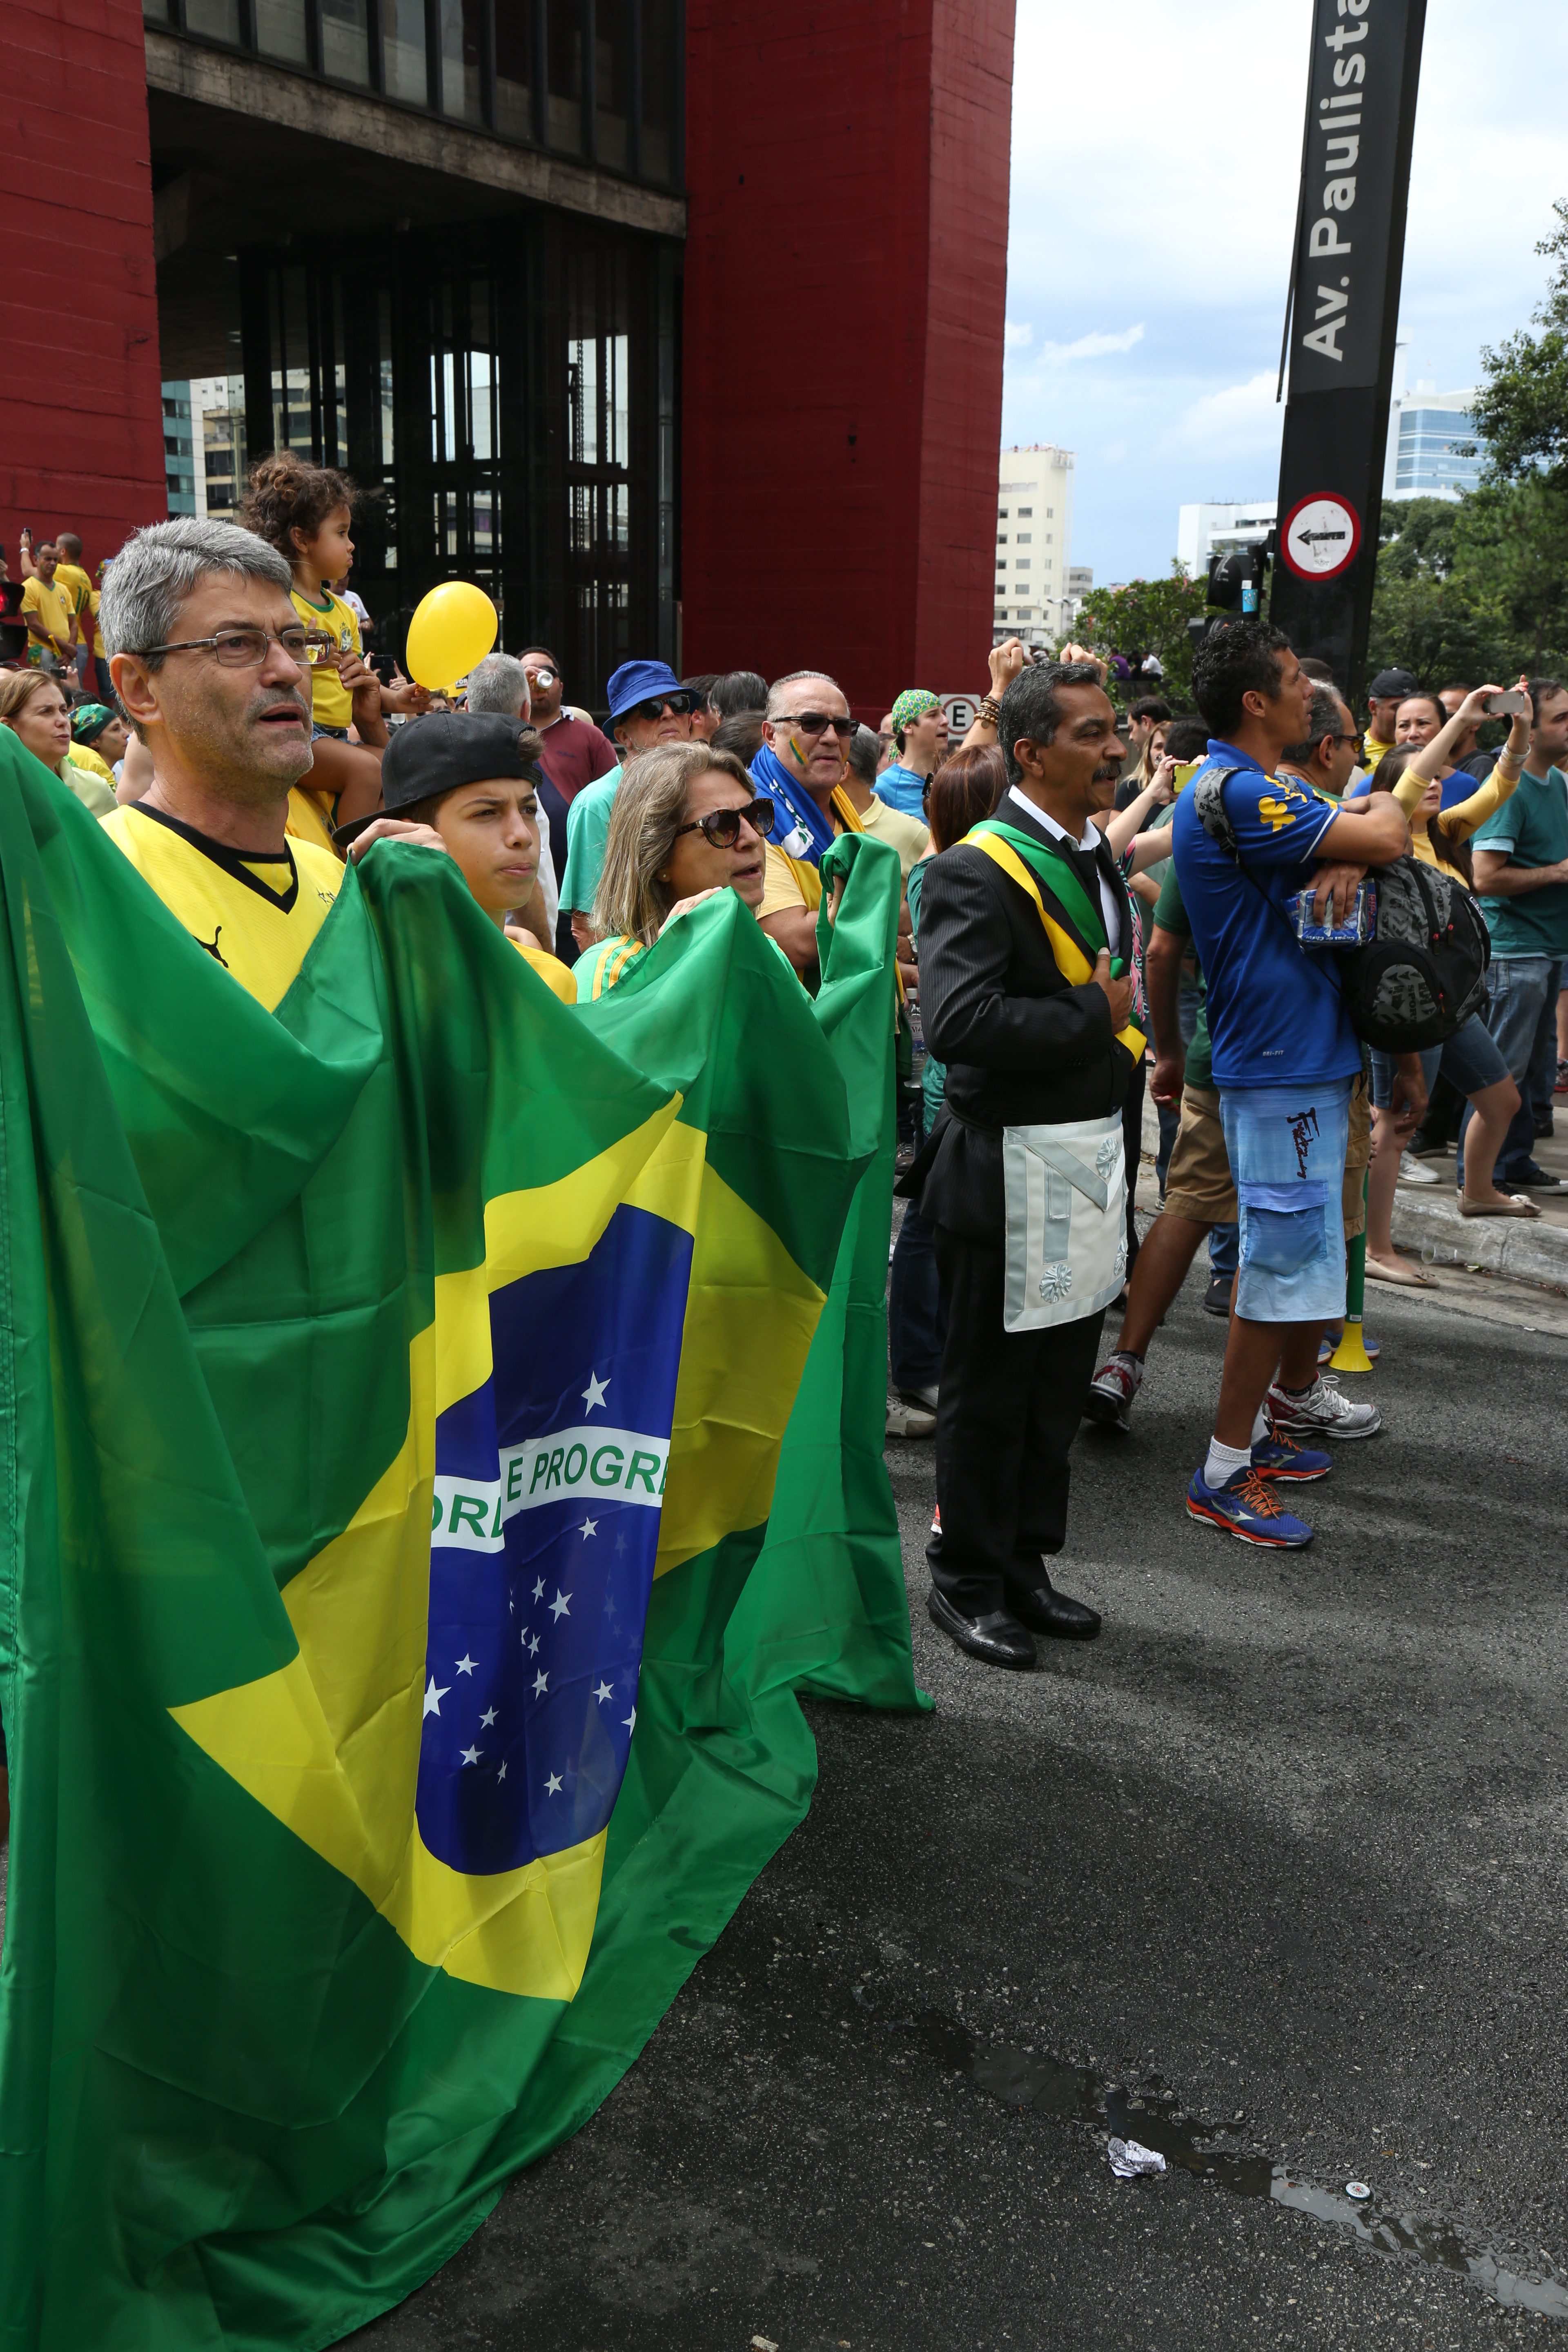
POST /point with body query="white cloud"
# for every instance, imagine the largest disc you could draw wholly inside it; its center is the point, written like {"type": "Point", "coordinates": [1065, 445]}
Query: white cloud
{"type": "Point", "coordinates": [1017, 335]}
{"type": "Point", "coordinates": [1196, 214]}
{"type": "Point", "coordinates": [1091, 347]}
{"type": "Point", "coordinates": [1235, 420]}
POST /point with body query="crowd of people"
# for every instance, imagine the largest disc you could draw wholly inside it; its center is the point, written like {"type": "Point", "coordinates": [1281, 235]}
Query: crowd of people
{"type": "Point", "coordinates": [1097, 903]}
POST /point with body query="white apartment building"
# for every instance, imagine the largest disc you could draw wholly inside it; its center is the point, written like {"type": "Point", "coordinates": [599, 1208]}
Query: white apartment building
{"type": "Point", "coordinates": [1217, 526]}
{"type": "Point", "coordinates": [1034, 541]}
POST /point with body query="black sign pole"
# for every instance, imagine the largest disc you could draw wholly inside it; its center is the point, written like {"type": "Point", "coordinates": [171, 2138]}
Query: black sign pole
{"type": "Point", "coordinates": [1343, 320]}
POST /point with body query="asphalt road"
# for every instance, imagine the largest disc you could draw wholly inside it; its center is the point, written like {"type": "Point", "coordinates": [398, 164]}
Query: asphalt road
{"type": "Point", "coordinates": [1281, 1855]}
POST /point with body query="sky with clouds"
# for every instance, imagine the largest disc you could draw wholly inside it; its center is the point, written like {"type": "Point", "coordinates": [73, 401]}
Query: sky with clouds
{"type": "Point", "coordinates": [1155, 155]}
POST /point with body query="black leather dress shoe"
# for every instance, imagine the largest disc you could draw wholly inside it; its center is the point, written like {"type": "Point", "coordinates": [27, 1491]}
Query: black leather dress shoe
{"type": "Point", "coordinates": [1046, 1611]}
{"type": "Point", "coordinates": [997, 1638]}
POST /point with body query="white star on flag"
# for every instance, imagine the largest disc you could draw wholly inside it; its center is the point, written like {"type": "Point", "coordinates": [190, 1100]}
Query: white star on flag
{"type": "Point", "coordinates": [595, 1392]}
{"type": "Point", "coordinates": [603, 1692]}
{"type": "Point", "coordinates": [471, 1755]}
{"type": "Point", "coordinates": [553, 1786]}
{"type": "Point", "coordinates": [558, 1608]}
{"type": "Point", "coordinates": [630, 1721]}
{"type": "Point", "coordinates": [539, 1589]}
{"type": "Point", "coordinates": [487, 1718]}
{"type": "Point", "coordinates": [502, 1774]}
{"type": "Point", "coordinates": [589, 1528]}
{"type": "Point", "coordinates": [465, 1664]}
{"type": "Point", "coordinates": [540, 1683]}
{"type": "Point", "coordinates": [533, 1647]}
{"type": "Point", "coordinates": [433, 1698]}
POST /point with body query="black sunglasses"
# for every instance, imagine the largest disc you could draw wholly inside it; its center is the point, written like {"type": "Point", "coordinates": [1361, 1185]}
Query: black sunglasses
{"type": "Point", "coordinates": [721, 827]}
{"type": "Point", "coordinates": [814, 723]}
{"type": "Point", "coordinates": [678, 703]}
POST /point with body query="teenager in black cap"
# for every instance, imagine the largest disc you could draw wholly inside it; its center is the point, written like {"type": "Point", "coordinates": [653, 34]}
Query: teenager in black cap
{"type": "Point", "coordinates": [472, 777]}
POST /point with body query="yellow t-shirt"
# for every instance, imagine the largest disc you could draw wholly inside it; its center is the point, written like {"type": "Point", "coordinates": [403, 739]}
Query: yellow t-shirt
{"type": "Point", "coordinates": [53, 606]}
{"type": "Point", "coordinates": [82, 755]}
{"type": "Point", "coordinates": [310, 818]}
{"type": "Point", "coordinates": [787, 883]}
{"type": "Point", "coordinates": [905, 834]}
{"type": "Point", "coordinates": [79, 596]}
{"type": "Point", "coordinates": [256, 916]}
{"type": "Point", "coordinates": [331, 703]}
{"type": "Point", "coordinates": [89, 786]}
{"type": "Point", "coordinates": [551, 969]}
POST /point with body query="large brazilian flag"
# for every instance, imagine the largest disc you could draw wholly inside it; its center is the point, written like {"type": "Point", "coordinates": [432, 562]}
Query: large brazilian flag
{"type": "Point", "coordinates": [416, 1527]}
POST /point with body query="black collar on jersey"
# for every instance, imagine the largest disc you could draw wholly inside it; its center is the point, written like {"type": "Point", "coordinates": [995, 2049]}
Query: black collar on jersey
{"type": "Point", "coordinates": [230, 860]}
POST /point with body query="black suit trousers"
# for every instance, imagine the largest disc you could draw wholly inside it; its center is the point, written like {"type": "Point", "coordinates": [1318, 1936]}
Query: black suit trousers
{"type": "Point", "coordinates": [1008, 1411]}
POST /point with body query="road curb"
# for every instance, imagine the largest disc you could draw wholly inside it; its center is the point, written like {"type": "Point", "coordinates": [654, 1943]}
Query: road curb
{"type": "Point", "coordinates": [1523, 1249]}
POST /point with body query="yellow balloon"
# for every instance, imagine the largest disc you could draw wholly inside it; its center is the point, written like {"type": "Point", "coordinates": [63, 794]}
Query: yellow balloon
{"type": "Point", "coordinates": [453, 627]}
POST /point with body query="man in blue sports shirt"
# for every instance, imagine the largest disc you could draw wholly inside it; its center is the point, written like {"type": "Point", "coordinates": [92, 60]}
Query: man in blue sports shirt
{"type": "Point", "coordinates": [1285, 1056]}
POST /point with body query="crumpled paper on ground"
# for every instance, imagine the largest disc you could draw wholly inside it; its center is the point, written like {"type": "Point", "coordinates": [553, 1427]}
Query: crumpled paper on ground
{"type": "Point", "coordinates": [1129, 2158]}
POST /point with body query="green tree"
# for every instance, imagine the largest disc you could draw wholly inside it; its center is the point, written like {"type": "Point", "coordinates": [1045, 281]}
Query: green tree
{"type": "Point", "coordinates": [1521, 409]}
{"type": "Point", "coordinates": [1146, 616]}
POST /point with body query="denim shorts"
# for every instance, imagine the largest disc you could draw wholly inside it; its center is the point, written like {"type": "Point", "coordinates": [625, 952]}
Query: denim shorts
{"type": "Point", "coordinates": [1470, 1060]}
{"type": "Point", "coordinates": [1287, 1148]}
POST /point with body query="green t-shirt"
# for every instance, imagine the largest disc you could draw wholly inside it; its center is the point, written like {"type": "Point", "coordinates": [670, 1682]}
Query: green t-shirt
{"type": "Point", "coordinates": [1171, 915]}
{"type": "Point", "coordinates": [587, 831]}
{"type": "Point", "coordinates": [933, 1077]}
{"type": "Point", "coordinates": [1532, 829]}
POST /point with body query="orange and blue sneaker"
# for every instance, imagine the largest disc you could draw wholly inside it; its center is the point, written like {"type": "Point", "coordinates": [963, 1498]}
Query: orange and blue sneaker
{"type": "Point", "coordinates": [1245, 1507]}
{"type": "Point", "coordinates": [1276, 1457]}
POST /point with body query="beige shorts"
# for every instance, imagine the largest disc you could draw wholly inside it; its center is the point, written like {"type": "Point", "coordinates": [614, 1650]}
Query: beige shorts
{"type": "Point", "coordinates": [1199, 1184]}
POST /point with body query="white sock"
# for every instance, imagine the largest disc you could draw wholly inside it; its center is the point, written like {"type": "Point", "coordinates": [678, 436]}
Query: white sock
{"type": "Point", "coordinates": [1260, 1427]}
{"type": "Point", "coordinates": [1223, 1461]}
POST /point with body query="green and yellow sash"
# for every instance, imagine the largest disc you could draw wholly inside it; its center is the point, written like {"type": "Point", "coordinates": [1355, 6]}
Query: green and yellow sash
{"type": "Point", "coordinates": [1076, 919]}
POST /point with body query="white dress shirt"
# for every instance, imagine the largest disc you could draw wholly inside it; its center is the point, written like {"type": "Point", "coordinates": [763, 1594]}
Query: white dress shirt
{"type": "Point", "coordinates": [1111, 912]}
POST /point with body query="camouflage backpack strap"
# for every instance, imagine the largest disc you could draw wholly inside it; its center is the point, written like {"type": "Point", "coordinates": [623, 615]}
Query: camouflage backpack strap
{"type": "Point", "coordinates": [1208, 803]}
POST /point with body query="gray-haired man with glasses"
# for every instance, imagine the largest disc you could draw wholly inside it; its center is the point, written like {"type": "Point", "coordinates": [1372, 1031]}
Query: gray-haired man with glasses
{"type": "Point", "coordinates": [212, 668]}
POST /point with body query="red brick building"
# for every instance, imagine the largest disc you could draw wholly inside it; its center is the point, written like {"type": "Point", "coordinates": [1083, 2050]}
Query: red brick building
{"type": "Point", "coordinates": [683, 337]}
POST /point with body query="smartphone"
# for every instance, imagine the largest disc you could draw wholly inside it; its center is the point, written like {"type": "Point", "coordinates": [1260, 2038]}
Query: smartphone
{"type": "Point", "coordinates": [1185, 770]}
{"type": "Point", "coordinates": [1514, 704]}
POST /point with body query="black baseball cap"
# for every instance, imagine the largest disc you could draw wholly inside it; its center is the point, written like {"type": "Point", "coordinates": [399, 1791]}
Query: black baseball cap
{"type": "Point", "coordinates": [1391, 682]}
{"type": "Point", "coordinates": [440, 753]}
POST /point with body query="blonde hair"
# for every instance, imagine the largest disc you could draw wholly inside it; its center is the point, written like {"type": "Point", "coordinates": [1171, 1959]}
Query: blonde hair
{"type": "Point", "coordinates": [20, 686]}
{"type": "Point", "coordinates": [633, 898]}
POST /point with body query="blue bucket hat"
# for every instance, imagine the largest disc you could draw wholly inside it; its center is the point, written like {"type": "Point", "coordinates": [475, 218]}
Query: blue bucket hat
{"type": "Point", "coordinates": [640, 681]}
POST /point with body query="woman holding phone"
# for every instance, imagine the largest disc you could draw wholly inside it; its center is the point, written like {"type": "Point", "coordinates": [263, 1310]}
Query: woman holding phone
{"type": "Point", "coordinates": [1470, 1059]}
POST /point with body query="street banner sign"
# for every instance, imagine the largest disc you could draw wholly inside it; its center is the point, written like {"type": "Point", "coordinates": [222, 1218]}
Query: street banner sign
{"type": "Point", "coordinates": [1341, 321]}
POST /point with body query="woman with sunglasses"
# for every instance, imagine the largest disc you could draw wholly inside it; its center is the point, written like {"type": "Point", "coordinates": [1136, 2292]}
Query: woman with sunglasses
{"type": "Point", "coordinates": [687, 822]}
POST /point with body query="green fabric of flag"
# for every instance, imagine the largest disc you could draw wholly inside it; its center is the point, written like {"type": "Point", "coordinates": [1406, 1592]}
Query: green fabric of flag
{"type": "Point", "coordinates": [281, 2006]}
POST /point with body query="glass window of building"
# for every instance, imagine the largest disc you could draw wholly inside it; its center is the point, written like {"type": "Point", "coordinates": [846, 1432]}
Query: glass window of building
{"type": "Point", "coordinates": [514, 69]}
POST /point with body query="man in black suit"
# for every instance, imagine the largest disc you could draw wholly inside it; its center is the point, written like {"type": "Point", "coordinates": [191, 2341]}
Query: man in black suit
{"type": "Point", "coordinates": [1024, 1046]}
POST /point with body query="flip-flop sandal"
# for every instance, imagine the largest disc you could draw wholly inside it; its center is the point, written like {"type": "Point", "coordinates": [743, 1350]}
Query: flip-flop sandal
{"type": "Point", "coordinates": [1330, 1341]}
{"type": "Point", "coordinates": [1409, 1278]}
{"type": "Point", "coordinates": [1514, 1205]}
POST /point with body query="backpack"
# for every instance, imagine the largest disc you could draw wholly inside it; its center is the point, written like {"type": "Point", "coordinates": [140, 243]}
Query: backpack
{"type": "Point", "coordinates": [1418, 980]}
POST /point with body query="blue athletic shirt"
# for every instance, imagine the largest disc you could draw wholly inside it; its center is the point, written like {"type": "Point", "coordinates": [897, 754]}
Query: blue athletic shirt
{"type": "Point", "coordinates": [1275, 1015]}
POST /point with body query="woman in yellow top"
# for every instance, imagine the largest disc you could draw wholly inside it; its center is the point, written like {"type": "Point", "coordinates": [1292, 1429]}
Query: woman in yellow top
{"type": "Point", "coordinates": [34, 708]}
{"type": "Point", "coordinates": [1471, 1059]}
{"type": "Point", "coordinates": [687, 822]}
{"type": "Point", "coordinates": [472, 776]}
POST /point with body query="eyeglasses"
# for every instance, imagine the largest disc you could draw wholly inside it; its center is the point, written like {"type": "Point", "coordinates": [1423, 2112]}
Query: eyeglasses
{"type": "Point", "coordinates": [247, 648]}
{"type": "Point", "coordinates": [814, 723]}
{"type": "Point", "coordinates": [677, 703]}
{"type": "Point", "coordinates": [721, 827]}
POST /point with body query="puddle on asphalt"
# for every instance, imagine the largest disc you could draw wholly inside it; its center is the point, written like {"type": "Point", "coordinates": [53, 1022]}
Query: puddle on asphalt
{"type": "Point", "coordinates": [1024, 2078]}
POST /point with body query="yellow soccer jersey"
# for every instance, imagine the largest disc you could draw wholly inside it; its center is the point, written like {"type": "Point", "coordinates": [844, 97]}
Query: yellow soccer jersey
{"type": "Point", "coordinates": [329, 701]}
{"type": "Point", "coordinates": [310, 818]}
{"type": "Point", "coordinates": [255, 916]}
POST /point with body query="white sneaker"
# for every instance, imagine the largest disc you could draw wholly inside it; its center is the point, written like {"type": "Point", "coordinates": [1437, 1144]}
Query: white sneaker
{"type": "Point", "coordinates": [1416, 1171]}
{"type": "Point", "coordinates": [909, 1420]}
{"type": "Point", "coordinates": [1324, 1411]}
